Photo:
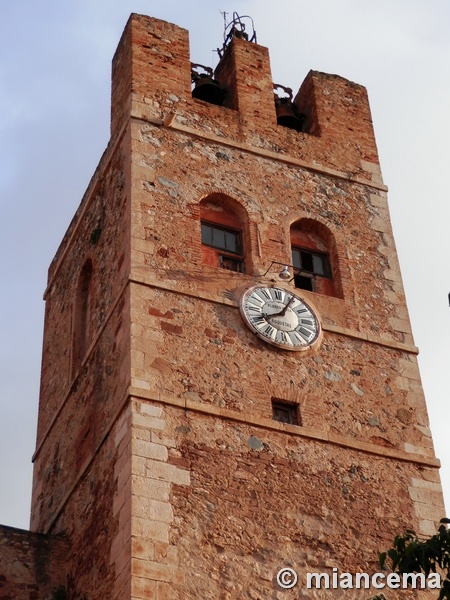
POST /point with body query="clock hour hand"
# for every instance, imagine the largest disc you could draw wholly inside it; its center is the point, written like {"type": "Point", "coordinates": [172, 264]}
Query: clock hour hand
{"type": "Point", "coordinates": [283, 312]}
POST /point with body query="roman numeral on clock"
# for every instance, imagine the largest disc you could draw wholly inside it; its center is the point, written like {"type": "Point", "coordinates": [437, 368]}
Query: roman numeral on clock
{"type": "Point", "coordinates": [266, 294]}
{"type": "Point", "coordinates": [269, 331]}
{"type": "Point", "coordinates": [258, 321]}
{"type": "Point", "coordinates": [283, 338]}
{"type": "Point", "coordinates": [254, 309]}
{"type": "Point", "coordinates": [278, 294]}
{"type": "Point", "coordinates": [305, 333]}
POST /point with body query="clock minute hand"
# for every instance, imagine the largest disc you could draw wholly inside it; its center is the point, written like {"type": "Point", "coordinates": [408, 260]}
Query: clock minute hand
{"type": "Point", "coordinates": [283, 312]}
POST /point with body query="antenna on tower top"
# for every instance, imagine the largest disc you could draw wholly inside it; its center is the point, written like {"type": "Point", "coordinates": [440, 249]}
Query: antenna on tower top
{"type": "Point", "coordinates": [236, 28]}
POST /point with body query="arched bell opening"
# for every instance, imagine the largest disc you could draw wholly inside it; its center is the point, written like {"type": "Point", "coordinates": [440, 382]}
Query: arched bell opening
{"type": "Point", "coordinates": [205, 87]}
{"type": "Point", "coordinates": [288, 114]}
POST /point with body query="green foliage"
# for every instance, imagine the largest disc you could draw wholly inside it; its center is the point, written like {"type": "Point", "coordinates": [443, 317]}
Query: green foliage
{"type": "Point", "coordinates": [409, 554]}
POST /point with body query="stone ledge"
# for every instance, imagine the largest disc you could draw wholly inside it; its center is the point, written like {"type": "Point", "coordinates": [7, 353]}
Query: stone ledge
{"type": "Point", "coordinates": [304, 432]}
{"type": "Point", "coordinates": [139, 278]}
{"type": "Point", "coordinates": [170, 122]}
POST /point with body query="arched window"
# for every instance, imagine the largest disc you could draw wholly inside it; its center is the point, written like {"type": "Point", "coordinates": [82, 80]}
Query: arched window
{"type": "Point", "coordinates": [81, 317]}
{"type": "Point", "coordinates": [314, 258]}
{"type": "Point", "coordinates": [222, 235]}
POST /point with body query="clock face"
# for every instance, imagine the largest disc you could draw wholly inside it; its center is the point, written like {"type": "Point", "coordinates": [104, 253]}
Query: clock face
{"type": "Point", "coordinates": [280, 317]}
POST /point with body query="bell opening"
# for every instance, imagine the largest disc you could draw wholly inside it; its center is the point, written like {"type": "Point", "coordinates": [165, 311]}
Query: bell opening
{"type": "Point", "coordinates": [205, 87]}
{"type": "Point", "coordinates": [287, 113]}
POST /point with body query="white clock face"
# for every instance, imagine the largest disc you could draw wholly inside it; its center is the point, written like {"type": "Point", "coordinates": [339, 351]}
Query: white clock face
{"type": "Point", "coordinates": [280, 317]}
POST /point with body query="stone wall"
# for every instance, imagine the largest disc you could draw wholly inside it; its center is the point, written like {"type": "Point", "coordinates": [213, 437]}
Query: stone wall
{"type": "Point", "coordinates": [32, 565]}
{"type": "Point", "coordinates": [78, 405]}
{"type": "Point", "coordinates": [157, 455]}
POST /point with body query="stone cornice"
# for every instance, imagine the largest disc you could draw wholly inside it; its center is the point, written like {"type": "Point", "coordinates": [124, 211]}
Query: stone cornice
{"type": "Point", "coordinates": [299, 431]}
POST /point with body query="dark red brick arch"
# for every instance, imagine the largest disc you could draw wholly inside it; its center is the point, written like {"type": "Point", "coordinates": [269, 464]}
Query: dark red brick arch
{"type": "Point", "coordinates": [313, 235]}
{"type": "Point", "coordinates": [223, 210]}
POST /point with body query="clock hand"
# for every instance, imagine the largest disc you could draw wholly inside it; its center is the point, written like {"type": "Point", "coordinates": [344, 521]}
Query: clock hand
{"type": "Point", "coordinates": [283, 312]}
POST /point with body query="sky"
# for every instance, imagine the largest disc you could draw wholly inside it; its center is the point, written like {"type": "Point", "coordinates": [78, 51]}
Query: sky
{"type": "Point", "coordinates": [55, 65]}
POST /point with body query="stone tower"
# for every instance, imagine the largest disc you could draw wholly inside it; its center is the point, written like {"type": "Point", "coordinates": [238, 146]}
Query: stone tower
{"type": "Point", "coordinates": [185, 447]}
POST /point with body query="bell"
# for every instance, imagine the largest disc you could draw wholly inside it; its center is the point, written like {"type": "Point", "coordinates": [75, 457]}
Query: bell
{"type": "Point", "coordinates": [207, 89]}
{"type": "Point", "coordinates": [287, 114]}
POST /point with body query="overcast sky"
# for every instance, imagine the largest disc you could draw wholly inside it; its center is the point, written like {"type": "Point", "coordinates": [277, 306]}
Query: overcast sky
{"type": "Point", "coordinates": [54, 125]}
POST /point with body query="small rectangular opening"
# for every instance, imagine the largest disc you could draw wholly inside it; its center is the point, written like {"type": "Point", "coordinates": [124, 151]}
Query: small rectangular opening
{"type": "Point", "coordinates": [286, 412]}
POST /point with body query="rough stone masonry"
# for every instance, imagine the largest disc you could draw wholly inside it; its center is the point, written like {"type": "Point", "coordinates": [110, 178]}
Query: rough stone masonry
{"type": "Point", "coordinates": [159, 467]}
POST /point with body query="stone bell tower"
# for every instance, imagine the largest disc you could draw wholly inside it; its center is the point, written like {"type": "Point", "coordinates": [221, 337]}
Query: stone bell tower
{"type": "Point", "coordinates": [202, 422]}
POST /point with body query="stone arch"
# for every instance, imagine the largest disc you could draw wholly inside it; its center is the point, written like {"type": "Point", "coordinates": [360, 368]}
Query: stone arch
{"type": "Point", "coordinates": [314, 251]}
{"type": "Point", "coordinates": [225, 233]}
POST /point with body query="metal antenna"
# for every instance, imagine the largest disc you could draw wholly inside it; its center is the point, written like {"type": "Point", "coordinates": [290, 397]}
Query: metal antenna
{"type": "Point", "coordinates": [236, 28]}
{"type": "Point", "coordinates": [224, 15]}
